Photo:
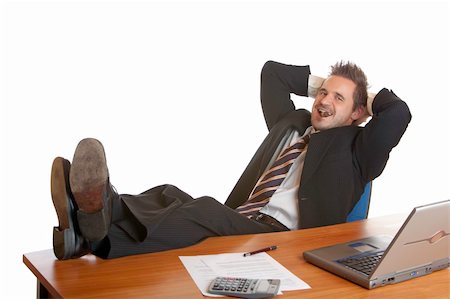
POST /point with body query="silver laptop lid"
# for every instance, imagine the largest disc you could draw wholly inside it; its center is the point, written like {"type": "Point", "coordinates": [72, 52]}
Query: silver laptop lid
{"type": "Point", "coordinates": [423, 238]}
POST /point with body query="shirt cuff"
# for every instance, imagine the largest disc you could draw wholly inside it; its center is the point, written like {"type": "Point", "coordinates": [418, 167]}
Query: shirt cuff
{"type": "Point", "coordinates": [314, 84]}
{"type": "Point", "coordinates": [370, 98]}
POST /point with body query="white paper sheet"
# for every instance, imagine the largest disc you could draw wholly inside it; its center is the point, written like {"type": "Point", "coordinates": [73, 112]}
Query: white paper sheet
{"type": "Point", "coordinates": [204, 268]}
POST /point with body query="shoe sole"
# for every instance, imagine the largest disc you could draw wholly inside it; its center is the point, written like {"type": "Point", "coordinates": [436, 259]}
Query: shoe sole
{"type": "Point", "coordinates": [89, 174]}
{"type": "Point", "coordinates": [88, 179]}
{"type": "Point", "coordinates": [60, 190]}
{"type": "Point", "coordinates": [66, 243]}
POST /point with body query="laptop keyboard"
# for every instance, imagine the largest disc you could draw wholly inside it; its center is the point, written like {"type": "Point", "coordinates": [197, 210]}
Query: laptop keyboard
{"type": "Point", "coordinates": [363, 263]}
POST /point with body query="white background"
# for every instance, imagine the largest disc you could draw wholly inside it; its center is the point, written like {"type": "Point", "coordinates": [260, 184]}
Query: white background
{"type": "Point", "coordinates": [172, 91]}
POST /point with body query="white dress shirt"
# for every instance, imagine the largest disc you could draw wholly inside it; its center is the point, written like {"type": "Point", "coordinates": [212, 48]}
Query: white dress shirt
{"type": "Point", "coordinates": [283, 206]}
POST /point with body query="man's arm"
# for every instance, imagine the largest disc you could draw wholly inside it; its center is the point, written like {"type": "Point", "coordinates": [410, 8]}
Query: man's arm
{"type": "Point", "coordinates": [390, 118]}
{"type": "Point", "coordinates": [278, 81]}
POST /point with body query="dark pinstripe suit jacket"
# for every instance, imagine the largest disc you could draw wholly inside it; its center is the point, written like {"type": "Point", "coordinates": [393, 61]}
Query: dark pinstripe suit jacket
{"type": "Point", "coordinates": [339, 161]}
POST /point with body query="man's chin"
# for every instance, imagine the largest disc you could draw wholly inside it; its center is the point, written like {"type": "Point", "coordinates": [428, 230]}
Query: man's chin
{"type": "Point", "coordinates": [321, 125]}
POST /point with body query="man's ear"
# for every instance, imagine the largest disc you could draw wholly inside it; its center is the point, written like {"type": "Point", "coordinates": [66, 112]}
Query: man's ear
{"type": "Point", "coordinates": [359, 115]}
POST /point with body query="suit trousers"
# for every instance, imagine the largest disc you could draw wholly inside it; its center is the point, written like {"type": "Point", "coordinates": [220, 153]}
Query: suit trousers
{"type": "Point", "coordinates": [165, 217]}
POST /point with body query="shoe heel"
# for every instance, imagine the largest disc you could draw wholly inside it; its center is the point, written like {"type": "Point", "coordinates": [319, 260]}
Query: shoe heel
{"type": "Point", "coordinates": [63, 241]}
{"type": "Point", "coordinates": [66, 245]}
{"type": "Point", "coordinates": [93, 226]}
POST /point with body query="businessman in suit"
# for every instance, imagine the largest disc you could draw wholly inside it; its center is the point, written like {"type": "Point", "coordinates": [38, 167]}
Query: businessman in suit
{"type": "Point", "coordinates": [309, 171]}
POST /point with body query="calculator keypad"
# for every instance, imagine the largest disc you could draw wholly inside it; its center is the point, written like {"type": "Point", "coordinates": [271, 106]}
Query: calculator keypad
{"type": "Point", "coordinates": [234, 284]}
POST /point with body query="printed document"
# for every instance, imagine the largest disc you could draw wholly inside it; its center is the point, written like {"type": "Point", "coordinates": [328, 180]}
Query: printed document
{"type": "Point", "coordinates": [204, 268]}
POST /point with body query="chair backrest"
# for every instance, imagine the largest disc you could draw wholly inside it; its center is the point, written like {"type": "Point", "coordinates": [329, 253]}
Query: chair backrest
{"type": "Point", "coordinates": [361, 209]}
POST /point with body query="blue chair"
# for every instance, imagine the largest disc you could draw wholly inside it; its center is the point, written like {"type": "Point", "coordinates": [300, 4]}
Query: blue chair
{"type": "Point", "coordinates": [361, 209]}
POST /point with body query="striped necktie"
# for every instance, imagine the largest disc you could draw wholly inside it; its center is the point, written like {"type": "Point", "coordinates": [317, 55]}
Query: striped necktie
{"type": "Point", "coordinates": [272, 178]}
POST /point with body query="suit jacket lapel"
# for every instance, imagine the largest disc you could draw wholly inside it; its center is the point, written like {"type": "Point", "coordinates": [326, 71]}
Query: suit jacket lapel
{"type": "Point", "coordinates": [279, 132]}
{"type": "Point", "coordinates": [317, 148]}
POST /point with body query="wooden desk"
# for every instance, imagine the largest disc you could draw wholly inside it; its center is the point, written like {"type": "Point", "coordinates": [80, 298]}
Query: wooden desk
{"type": "Point", "coordinates": [162, 275]}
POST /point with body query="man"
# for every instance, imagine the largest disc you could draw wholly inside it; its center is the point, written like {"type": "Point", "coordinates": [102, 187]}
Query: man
{"type": "Point", "coordinates": [309, 171]}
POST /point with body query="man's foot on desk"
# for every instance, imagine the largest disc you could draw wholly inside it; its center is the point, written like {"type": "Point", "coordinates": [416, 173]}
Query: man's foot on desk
{"type": "Point", "coordinates": [67, 240]}
{"type": "Point", "coordinates": [89, 181]}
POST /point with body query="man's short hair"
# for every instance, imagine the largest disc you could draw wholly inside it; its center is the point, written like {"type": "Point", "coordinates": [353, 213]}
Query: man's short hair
{"type": "Point", "coordinates": [354, 73]}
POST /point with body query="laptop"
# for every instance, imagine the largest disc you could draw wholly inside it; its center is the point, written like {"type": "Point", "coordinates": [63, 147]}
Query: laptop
{"type": "Point", "coordinates": [420, 247]}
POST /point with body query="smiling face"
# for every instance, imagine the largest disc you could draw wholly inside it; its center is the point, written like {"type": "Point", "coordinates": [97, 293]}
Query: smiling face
{"type": "Point", "coordinates": [334, 104]}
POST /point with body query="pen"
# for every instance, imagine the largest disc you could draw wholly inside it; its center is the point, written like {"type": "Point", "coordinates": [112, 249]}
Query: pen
{"type": "Point", "coordinates": [273, 247]}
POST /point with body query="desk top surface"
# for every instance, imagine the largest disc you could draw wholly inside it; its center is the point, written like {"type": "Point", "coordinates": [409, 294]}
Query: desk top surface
{"type": "Point", "coordinates": [162, 275]}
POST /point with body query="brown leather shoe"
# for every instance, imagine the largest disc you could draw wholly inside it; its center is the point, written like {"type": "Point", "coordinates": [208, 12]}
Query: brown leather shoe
{"type": "Point", "coordinates": [89, 181]}
{"type": "Point", "coordinates": [67, 240]}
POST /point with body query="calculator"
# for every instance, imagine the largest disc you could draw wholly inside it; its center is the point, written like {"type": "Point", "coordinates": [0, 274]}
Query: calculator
{"type": "Point", "coordinates": [244, 287]}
